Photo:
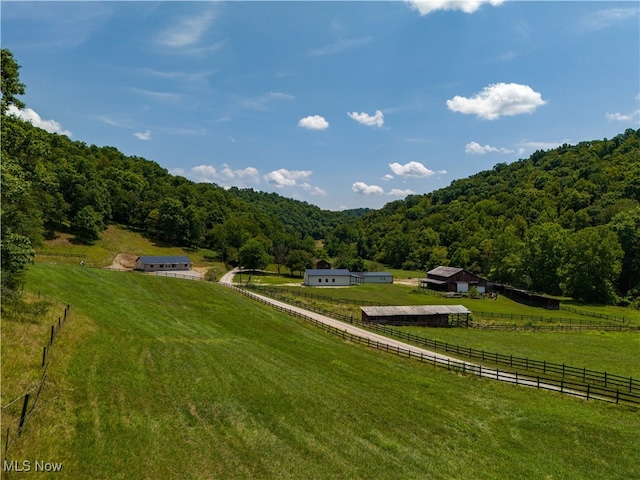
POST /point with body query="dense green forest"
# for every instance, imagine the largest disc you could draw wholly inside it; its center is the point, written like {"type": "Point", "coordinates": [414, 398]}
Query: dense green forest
{"type": "Point", "coordinates": [564, 221]}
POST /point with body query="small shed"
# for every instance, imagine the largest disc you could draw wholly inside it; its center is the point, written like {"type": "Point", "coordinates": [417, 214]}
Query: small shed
{"type": "Point", "coordinates": [376, 277]}
{"type": "Point", "coordinates": [163, 264]}
{"type": "Point", "coordinates": [322, 264]}
{"type": "Point", "coordinates": [416, 315]}
{"type": "Point", "coordinates": [327, 277]}
{"type": "Point", "coordinates": [453, 279]}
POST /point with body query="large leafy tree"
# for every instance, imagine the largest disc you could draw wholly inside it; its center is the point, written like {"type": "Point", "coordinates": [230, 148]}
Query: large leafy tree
{"type": "Point", "coordinates": [592, 262]}
{"type": "Point", "coordinates": [21, 217]}
{"type": "Point", "coordinates": [11, 84]}
{"type": "Point", "coordinates": [253, 255]}
{"type": "Point", "coordinates": [626, 225]}
{"type": "Point", "coordinates": [544, 251]}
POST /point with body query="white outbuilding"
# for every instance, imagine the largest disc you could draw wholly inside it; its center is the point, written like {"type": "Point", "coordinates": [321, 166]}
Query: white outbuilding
{"type": "Point", "coordinates": [327, 277]}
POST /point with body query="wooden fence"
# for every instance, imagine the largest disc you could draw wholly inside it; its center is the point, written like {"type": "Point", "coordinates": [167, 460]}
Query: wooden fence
{"type": "Point", "coordinates": [588, 384]}
{"type": "Point", "coordinates": [559, 323]}
{"type": "Point", "coordinates": [30, 399]}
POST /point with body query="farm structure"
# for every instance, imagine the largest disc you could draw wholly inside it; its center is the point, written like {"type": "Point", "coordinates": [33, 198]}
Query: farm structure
{"type": "Point", "coordinates": [416, 315]}
{"type": "Point", "coordinates": [528, 298]}
{"type": "Point", "coordinates": [375, 277]}
{"type": "Point", "coordinates": [329, 277]}
{"type": "Point", "coordinates": [452, 279]}
{"type": "Point", "coordinates": [342, 277]}
{"type": "Point", "coordinates": [322, 264]}
{"type": "Point", "coordinates": [163, 264]}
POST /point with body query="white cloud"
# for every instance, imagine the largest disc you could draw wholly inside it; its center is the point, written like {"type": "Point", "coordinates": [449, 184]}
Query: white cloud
{"type": "Point", "coordinates": [411, 169]}
{"type": "Point", "coordinates": [609, 17]}
{"type": "Point", "coordinates": [396, 192]}
{"type": "Point", "coordinates": [264, 102]}
{"type": "Point", "coordinates": [376, 120]}
{"type": "Point", "coordinates": [474, 148]}
{"type": "Point", "coordinates": [225, 177]}
{"type": "Point", "coordinates": [286, 178]}
{"type": "Point", "coordinates": [313, 122]}
{"type": "Point", "coordinates": [31, 116]}
{"type": "Point", "coordinates": [204, 173]}
{"type": "Point", "coordinates": [146, 135]}
{"type": "Point", "coordinates": [530, 145]}
{"type": "Point", "coordinates": [169, 97]}
{"type": "Point", "coordinates": [388, 176]}
{"type": "Point", "coordinates": [623, 117]}
{"type": "Point", "coordinates": [425, 7]}
{"type": "Point", "coordinates": [364, 189]}
{"type": "Point", "coordinates": [313, 190]}
{"type": "Point", "coordinates": [497, 100]}
{"type": "Point", "coordinates": [249, 173]}
{"type": "Point", "coordinates": [187, 31]}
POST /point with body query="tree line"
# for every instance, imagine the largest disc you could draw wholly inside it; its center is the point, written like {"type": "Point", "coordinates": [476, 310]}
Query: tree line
{"type": "Point", "coordinates": [564, 221]}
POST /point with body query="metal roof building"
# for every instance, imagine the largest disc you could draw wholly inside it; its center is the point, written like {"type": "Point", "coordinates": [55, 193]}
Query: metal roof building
{"type": "Point", "coordinates": [417, 315]}
{"type": "Point", "coordinates": [155, 264]}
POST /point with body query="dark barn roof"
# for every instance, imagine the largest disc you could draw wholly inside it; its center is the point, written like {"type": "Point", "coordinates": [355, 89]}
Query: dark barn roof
{"type": "Point", "coordinates": [169, 259]}
{"type": "Point", "coordinates": [444, 271]}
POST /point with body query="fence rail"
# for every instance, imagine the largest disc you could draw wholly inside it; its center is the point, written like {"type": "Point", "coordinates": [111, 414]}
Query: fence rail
{"type": "Point", "coordinates": [560, 323]}
{"type": "Point", "coordinates": [561, 385]}
{"type": "Point", "coordinates": [29, 399]}
{"type": "Point", "coordinates": [586, 313]}
{"type": "Point", "coordinates": [591, 377]}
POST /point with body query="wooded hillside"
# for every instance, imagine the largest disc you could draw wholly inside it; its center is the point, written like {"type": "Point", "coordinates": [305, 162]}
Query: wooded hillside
{"type": "Point", "coordinates": [564, 221]}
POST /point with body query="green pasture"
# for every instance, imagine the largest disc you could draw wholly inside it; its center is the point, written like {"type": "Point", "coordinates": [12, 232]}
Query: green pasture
{"type": "Point", "coordinates": [402, 294]}
{"type": "Point", "coordinates": [115, 239]}
{"type": "Point", "coordinates": [612, 352]}
{"type": "Point", "coordinates": [166, 378]}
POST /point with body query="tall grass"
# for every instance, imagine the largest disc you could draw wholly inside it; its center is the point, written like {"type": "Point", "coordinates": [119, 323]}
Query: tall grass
{"type": "Point", "coordinates": [180, 379]}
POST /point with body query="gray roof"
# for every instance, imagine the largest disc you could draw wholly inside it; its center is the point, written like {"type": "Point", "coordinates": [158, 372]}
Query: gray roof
{"type": "Point", "coordinates": [327, 271]}
{"type": "Point", "coordinates": [374, 274]}
{"type": "Point", "coordinates": [414, 310]}
{"type": "Point", "coordinates": [168, 259]}
{"type": "Point", "coordinates": [444, 271]}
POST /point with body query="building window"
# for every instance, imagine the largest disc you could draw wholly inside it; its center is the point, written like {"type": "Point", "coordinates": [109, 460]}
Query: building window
{"type": "Point", "coordinates": [319, 280]}
{"type": "Point", "coordinates": [333, 280]}
{"type": "Point", "coordinates": [326, 280]}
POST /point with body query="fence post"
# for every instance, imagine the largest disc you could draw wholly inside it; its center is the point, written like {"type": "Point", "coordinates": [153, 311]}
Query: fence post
{"type": "Point", "coordinates": [44, 355]}
{"type": "Point", "coordinates": [6, 443]}
{"type": "Point", "coordinates": [52, 334]}
{"type": "Point", "coordinates": [23, 414]}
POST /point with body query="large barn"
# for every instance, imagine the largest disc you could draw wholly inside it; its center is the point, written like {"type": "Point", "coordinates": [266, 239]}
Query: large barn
{"type": "Point", "coordinates": [163, 264]}
{"type": "Point", "coordinates": [452, 279]}
{"type": "Point", "coordinates": [417, 315]}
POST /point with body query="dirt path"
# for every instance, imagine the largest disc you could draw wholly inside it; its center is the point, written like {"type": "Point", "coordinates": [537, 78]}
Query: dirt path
{"type": "Point", "coordinates": [123, 261]}
{"type": "Point", "coordinates": [396, 345]}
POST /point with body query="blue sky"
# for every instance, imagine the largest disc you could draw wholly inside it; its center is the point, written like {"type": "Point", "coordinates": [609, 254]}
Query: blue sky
{"type": "Point", "coordinates": [340, 104]}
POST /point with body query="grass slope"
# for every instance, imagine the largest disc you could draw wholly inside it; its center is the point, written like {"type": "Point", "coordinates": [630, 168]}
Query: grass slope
{"type": "Point", "coordinates": [182, 379]}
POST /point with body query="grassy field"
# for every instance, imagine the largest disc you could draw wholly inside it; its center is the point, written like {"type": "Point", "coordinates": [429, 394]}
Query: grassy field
{"type": "Point", "coordinates": [114, 240]}
{"type": "Point", "coordinates": [165, 378]}
{"type": "Point", "coordinates": [613, 352]}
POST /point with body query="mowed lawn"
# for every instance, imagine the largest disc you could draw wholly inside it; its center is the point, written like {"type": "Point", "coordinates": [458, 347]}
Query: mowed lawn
{"type": "Point", "coordinates": [165, 378]}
